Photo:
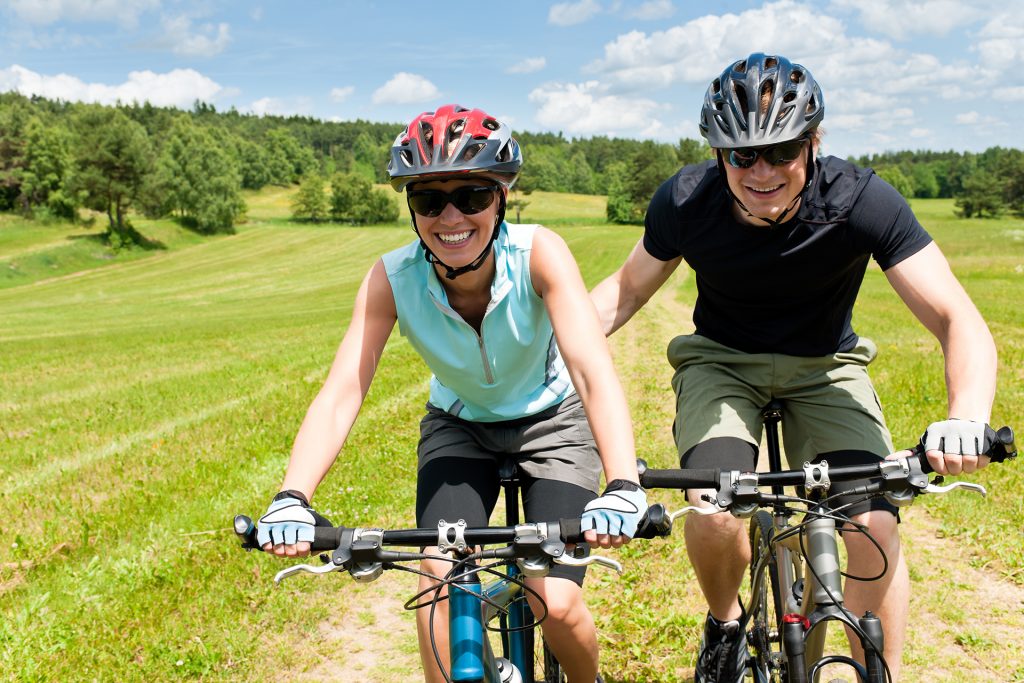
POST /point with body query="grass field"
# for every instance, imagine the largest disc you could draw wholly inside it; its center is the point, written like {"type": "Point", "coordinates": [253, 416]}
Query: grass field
{"type": "Point", "coordinates": [149, 396]}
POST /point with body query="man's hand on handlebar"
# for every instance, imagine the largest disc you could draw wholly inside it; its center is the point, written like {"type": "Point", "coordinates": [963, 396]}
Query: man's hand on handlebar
{"type": "Point", "coordinates": [955, 446]}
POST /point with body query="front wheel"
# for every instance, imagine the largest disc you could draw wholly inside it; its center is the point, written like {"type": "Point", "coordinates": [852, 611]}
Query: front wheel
{"type": "Point", "coordinates": [764, 627]}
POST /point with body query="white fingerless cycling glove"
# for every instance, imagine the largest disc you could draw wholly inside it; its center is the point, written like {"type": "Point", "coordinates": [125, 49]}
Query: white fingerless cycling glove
{"type": "Point", "coordinates": [288, 520]}
{"type": "Point", "coordinates": [960, 437]}
{"type": "Point", "coordinates": [617, 511]}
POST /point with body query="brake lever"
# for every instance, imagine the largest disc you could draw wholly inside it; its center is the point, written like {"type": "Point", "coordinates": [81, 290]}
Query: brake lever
{"type": "Point", "coordinates": [933, 487]}
{"type": "Point", "coordinates": [308, 568]}
{"type": "Point", "coordinates": [705, 511]}
{"type": "Point", "coordinates": [571, 561]}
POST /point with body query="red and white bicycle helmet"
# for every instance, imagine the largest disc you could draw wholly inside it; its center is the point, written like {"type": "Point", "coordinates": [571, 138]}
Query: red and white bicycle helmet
{"type": "Point", "coordinates": [453, 141]}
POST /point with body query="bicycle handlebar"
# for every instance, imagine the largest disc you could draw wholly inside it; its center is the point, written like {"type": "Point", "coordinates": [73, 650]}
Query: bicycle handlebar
{"type": "Point", "coordinates": [900, 480]}
{"type": "Point", "coordinates": [326, 538]}
{"type": "Point", "coordinates": [361, 552]}
{"type": "Point", "coordinates": [1002, 448]}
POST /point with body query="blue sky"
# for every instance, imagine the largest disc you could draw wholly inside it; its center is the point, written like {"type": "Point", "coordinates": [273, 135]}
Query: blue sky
{"type": "Point", "coordinates": [897, 74]}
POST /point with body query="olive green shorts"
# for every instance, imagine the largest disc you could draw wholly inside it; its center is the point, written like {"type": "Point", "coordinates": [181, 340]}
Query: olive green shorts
{"type": "Point", "coordinates": [829, 402]}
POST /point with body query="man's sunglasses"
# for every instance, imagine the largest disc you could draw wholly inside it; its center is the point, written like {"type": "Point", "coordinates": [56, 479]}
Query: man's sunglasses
{"type": "Point", "coordinates": [776, 155]}
{"type": "Point", "coordinates": [469, 199]}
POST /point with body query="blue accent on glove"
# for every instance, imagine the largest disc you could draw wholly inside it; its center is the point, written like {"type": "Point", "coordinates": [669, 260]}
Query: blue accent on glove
{"type": "Point", "coordinates": [617, 513]}
{"type": "Point", "coordinates": [287, 521]}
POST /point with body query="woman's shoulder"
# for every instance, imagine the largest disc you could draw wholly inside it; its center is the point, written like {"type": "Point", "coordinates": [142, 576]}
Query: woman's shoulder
{"type": "Point", "coordinates": [397, 260]}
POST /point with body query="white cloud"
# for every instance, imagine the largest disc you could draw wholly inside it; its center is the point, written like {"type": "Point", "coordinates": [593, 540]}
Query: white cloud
{"type": "Point", "coordinates": [124, 12]}
{"type": "Point", "coordinates": [588, 109]}
{"type": "Point", "coordinates": [1014, 94]}
{"type": "Point", "coordinates": [978, 121]}
{"type": "Point", "coordinates": [177, 88]}
{"type": "Point", "coordinates": [405, 88]}
{"type": "Point", "coordinates": [204, 41]}
{"type": "Point", "coordinates": [341, 94]}
{"type": "Point", "coordinates": [697, 51]}
{"type": "Point", "coordinates": [920, 133]}
{"type": "Point", "coordinates": [1001, 40]}
{"type": "Point", "coordinates": [903, 18]}
{"type": "Point", "coordinates": [527, 66]}
{"type": "Point", "coordinates": [571, 13]}
{"type": "Point", "coordinates": [277, 106]}
{"type": "Point", "coordinates": [654, 9]}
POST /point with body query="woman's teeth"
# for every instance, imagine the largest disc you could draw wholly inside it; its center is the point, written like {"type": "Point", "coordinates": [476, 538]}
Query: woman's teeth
{"type": "Point", "coordinates": [765, 190]}
{"type": "Point", "coordinates": [453, 237]}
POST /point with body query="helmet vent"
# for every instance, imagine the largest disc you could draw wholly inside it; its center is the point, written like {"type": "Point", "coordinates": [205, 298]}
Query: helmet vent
{"type": "Point", "coordinates": [740, 67]}
{"type": "Point", "coordinates": [472, 151]}
{"type": "Point", "coordinates": [741, 98]}
{"type": "Point", "coordinates": [771, 62]}
{"type": "Point", "coordinates": [789, 97]}
{"type": "Point", "coordinates": [490, 124]}
{"type": "Point", "coordinates": [716, 86]}
{"type": "Point", "coordinates": [767, 90]}
{"type": "Point", "coordinates": [427, 135]}
{"type": "Point", "coordinates": [406, 157]}
{"type": "Point", "coordinates": [505, 153]}
{"type": "Point", "coordinates": [812, 105]}
{"type": "Point", "coordinates": [797, 76]}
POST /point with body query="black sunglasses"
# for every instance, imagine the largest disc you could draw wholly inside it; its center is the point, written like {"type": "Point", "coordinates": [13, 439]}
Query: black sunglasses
{"type": "Point", "coordinates": [776, 155]}
{"type": "Point", "coordinates": [469, 199]}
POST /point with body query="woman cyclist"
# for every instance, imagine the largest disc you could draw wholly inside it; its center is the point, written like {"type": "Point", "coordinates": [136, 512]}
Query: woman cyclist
{"type": "Point", "coordinates": [484, 303]}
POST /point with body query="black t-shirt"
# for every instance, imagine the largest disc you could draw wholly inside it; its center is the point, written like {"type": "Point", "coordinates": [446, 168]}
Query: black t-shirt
{"type": "Point", "coordinates": [787, 289]}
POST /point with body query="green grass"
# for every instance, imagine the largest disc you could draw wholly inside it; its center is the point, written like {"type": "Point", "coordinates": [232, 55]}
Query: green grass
{"type": "Point", "coordinates": [148, 400]}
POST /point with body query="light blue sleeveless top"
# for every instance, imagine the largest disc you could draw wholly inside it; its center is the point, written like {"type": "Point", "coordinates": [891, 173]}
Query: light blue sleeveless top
{"type": "Point", "coordinates": [513, 367]}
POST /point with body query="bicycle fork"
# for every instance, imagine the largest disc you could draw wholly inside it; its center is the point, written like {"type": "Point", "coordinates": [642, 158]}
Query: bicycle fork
{"type": "Point", "coordinates": [821, 602]}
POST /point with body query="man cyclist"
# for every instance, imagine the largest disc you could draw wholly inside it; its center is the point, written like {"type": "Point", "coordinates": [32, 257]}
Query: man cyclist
{"type": "Point", "coordinates": [483, 302]}
{"type": "Point", "coordinates": [779, 240]}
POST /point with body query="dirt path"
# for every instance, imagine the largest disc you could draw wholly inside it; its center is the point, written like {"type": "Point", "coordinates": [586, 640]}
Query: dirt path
{"type": "Point", "coordinates": [966, 622]}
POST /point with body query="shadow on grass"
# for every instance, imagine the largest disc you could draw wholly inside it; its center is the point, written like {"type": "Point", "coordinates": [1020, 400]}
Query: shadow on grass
{"type": "Point", "coordinates": [127, 238]}
{"type": "Point", "coordinates": [192, 225]}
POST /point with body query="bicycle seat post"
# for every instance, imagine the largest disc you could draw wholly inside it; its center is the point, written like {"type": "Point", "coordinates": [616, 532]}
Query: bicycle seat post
{"type": "Point", "coordinates": [508, 475]}
{"type": "Point", "coordinates": [771, 414]}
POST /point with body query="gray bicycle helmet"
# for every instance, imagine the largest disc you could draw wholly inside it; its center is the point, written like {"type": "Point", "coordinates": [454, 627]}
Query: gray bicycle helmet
{"type": "Point", "coordinates": [732, 113]}
{"type": "Point", "coordinates": [454, 141]}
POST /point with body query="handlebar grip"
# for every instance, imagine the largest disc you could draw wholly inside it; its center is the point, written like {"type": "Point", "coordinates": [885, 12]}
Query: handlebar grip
{"type": "Point", "coordinates": [656, 523]}
{"type": "Point", "coordinates": [246, 531]}
{"type": "Point", "coordinates": [570, 530]}
{"type": "Point", "coordinates": [680, 479]}
{"type": "Point", "coordinates": [1003, 446]}
{"type": "Point", "coordinates": [326, 538]}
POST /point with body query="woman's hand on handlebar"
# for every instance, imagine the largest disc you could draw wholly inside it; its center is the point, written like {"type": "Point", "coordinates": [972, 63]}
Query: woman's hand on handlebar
{"type": "Point", "coordinates": [610, 520]}
{"type": "Point", "coordinates": [286, 529]}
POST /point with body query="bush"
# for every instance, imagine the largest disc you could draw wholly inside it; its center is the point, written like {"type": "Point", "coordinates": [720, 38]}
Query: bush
{"type": "Point", "coordinates": [355, 200]}
{"type": "Point", "coordinates": [310, 201]}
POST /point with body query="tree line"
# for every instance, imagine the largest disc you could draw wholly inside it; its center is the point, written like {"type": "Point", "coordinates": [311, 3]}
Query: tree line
{"type": "Point", "coordinates": [58, 157]}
